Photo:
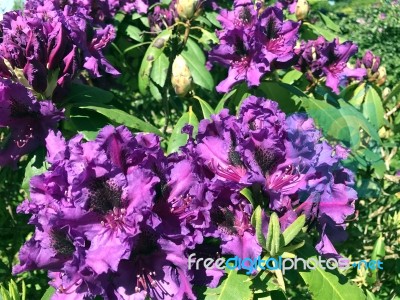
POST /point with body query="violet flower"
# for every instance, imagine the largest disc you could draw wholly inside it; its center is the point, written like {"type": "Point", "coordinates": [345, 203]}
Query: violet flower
{"type": "Point", "coordinates": [320, 58]}
{"type": "Point", "coordinates": [252, 46]}
{"type": "Point", "coordinates": [51, 47]}
{"type": "Point", "coordinates": [28, 121]}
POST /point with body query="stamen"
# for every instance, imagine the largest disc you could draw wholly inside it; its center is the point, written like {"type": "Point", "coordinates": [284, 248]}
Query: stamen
{"type": "Point", "coordinates": [230, 172]}
{"type": "Point", "coordinates": [283, 181]}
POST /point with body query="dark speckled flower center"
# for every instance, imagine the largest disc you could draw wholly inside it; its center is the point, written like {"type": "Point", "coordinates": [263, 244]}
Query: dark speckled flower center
{"type": "Point", "coordinates": [224, 219]}
{"type": "Point", "coordinates": [62, 244]}
{"type": "Point", "coordinates": [265, 158]}
{"type": "Point", "coordinates": [104, 196]}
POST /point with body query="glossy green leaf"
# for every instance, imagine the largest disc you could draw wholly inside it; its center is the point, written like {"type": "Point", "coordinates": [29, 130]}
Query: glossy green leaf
{"type": "Point", "coordinates": [208, 37]}
{"type": "Point", "coordinates": [205, 108]}
{"type": "Point", "coordinates": [329, 23]}
{"type": "Point", "coordinates": [134, 33]}
{"type": "Point", "coordinates": [36, 166]}
{"type": "Point", "coordinates": [79, 94]}
{"type": "Point", "coordinates": [235, 286]}
{"type": "Point", "coordinates": [86, 122]}
{"type": "Point", "coordinates": [249, 195]}
{"type": "Point", "coordinates": [340, 120]}
{"type": "Point", "coordinates": [377, 253]}
{"type": "Point", "coordinates": [327, 34]}
{"type": "Point", "coordinates": [178, 138]}
{"type": "Point", "coordinates": [274, 240]}
{"type": "Point", "coordinates": [122, 118]}
{"type": "Point", "coordinates": [224, 99]}
{"type": "Point", "coordinates": [372, 107]}
{"type": "Point", "coordinates": [256, 220]}
{"type": "Point", "coordinates": [379, 249]}
{"type": "Point", "coordinates": [158, 76]}
{"type": "Point", "coordinates": [49, 293]}
{"type": "Point", "coordinates": [292, 76]}
{"type": "Point", "coordinates": [285, 94]}
{"type": "Point", "coordinates": [154, 51]}
{"type": "Point", "coordinates": [394, 92]}
{"type": "Point", "coordinates": [294, 229]}
{"type": "Point", "coordinates": [196, 61]}
{"type": "Point", "coordinates": [212, 17]}
{"type": "Point", "coordinates": [325, 285]}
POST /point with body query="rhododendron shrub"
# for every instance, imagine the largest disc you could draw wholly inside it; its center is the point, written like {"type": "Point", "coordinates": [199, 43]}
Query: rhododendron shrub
{"type": "Point", "coordinates": [152, 135]}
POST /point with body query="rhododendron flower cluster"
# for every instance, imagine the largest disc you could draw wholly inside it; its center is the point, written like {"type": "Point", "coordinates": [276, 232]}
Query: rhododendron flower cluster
{"type": "Point", "coordinates": [116, 217]}
{"type": "Point", "coordinates": [320, 58]}
{"type": "Point", "coordinates": [253, 43]}
{"type": "Point", "coordinates": [46, 46]}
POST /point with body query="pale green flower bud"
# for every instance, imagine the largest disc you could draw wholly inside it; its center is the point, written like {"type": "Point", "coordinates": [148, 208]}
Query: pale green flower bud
{"type": "Point", "coordinates": [302, 9]}
{"type": "Point", "coordinates": [186, 8]}
{"type": "Point", "coordinates": [181, 77]}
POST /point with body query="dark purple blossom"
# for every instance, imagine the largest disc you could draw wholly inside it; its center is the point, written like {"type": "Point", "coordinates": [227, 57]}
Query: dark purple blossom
{"type": "Point", "coordinates": [251, 45]}
{"type": "Point", "coordinates": [28, 121]}
{"type": "Point", "coordinates": [320, 58]}
{"type": "Point", "coordinates": [287, 4]}
{"type": "Point", "coordinates": [50, 46]}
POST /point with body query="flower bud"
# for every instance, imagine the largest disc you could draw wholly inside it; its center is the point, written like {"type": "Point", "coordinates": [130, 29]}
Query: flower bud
{"type": "Point", "coordinates": [181, 77]}
{"type": "Point", "coordinates": [382, 75]}
{"type": "Point", "coordinates": [186, 8]}
{"type": "Point", "coordinates": [302, 9]}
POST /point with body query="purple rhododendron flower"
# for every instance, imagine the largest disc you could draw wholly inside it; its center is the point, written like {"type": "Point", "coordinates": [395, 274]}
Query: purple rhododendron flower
{"type": "Point", "coordinates": [289, 4]}
{"type": "Point", "coordinates": [252, 45]}
{"type": "Point", "coordinates": [320, 58]}
{"type": "Point", "coordinates": [27, 120]}
{"type": "Point", "coordinates": [299, 173]}
{"type": "Point", "coordinates": [116, 218]}
{"type": "Point", "coordinates": [51, 46]}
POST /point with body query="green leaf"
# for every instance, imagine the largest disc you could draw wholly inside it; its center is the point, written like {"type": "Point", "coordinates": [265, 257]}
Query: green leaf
{"type": "Point", "coordinates": [285, 94]}
{"type": "Point", "coordinates": [208, 38]}
{"type": "Point", "coordinates": [274, 237]}
{"type": "Point", "coordinates": [293, 230]}
{"type": "Point", "coordinates": [370, 296]}
{"type": "Point", "coordinates": [221, 103]}
{"type": "Point", "coordinates": [249, 195]}
{"type": "Point", "coordinates": [358, 95]}
{"type": "Point", "coordinates": [83, 94]}
{"type": "Point", "coordinates": [327, 34]}
{"type": "Point", "coordinates": [325, 285]}
{"type": "Point", "coordinates": [123, 118]}
{"type": "Point", "coordinates": [196, 61]}
{"type": "Point", "coordinates": [134, 33]}
{"type": "Point", "coordinates": [154, 51]}
{"type": "Point", "coordinates": [158, 76]}
{"type": "Point", "coordinates": [373, 108]}
{"type": "Point", "coordinates": [86, 122]}
{"type": "Point", "coordinates": [49, 293]}
{"type": "Point", "coordinates": [292, 76]}
{"type": "Point", "coordinates": [178, 138]}
{"type": "Point", "coordinates": [394, 92]}
{"type": "Point", "coordinates": [329, 23]}
{"type": "Point", "coordinates": [235, 286]}
{"type": "Point", "coordinates": [212, 17]}
{"type": "Point", "coordinates": [340, 120]}
{"type": "Point", "coordinates": [205, 107]}
{"type": "Point", "coordinates": [36, 166]}
{"type": "Point", "coordinates": [256, 220]}
{"type": "Point", "coordinates": [379, 249]}
{"type": "Point", "coordinates": [377, 253]}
